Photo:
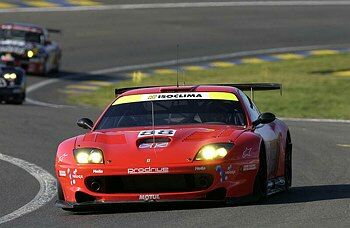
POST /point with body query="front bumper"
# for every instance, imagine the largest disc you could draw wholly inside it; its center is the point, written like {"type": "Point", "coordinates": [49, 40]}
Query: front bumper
{"type": "Point", "coordinates": [228, 181]}
{"type": "Point", "coordinates": [11, 93]}
{"type": "Point", "coordinates": [103, 205]}
{"type": "Point", "coordinates": [33, 66]}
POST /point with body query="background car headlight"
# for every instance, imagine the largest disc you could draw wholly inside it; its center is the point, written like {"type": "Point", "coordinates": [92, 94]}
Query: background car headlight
{"type": "Point", "coordinates": [30, 54]}
{"type": "Point", "coordinates": [10, 76]}
{"type": "Point", "coordinates": [213, 151]}
{"type": "Point", "coordinates": [88, 156]}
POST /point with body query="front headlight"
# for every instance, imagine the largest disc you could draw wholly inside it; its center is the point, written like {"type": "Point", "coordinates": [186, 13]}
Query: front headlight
{"type": "Point", "coordinates": [88, 156]}
{"type": "Point", "coordinates": [213, 151]}
{"type": "Point", "coordinates": [10, 76]}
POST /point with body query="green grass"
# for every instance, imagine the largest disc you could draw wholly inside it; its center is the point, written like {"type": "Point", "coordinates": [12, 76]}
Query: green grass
{"type": "Point", "coordinates": [309, 89]}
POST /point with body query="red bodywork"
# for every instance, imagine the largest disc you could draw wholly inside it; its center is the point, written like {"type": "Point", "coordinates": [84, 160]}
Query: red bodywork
{"type": "Point", "coordinates": [232, 177]}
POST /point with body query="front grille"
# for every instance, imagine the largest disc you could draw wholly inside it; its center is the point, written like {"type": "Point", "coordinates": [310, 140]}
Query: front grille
{"type": "Point", "coordinates": [149, 183]}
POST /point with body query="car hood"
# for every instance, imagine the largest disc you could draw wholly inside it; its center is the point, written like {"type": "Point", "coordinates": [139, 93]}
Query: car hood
{"type": "Point", "coordinates": [179, 144]}
{"type": "Point", "coordinates": [16, 46]}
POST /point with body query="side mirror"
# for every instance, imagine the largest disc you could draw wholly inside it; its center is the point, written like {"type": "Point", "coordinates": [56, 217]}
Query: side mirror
{"type": "Point", "coordinates": [85, 123]}
{"type": "Point", "coordinates": [264, 118]}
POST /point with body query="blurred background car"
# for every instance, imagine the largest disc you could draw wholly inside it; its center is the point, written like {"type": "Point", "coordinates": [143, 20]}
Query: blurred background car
{"type": "Point", "coordinates": [12, 85]}
{"type": "Point", "coordinates": [28, 46]}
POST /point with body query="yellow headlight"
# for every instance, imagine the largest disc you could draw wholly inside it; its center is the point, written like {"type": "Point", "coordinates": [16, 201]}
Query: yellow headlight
{"type": "Point", "coordinates": [88, 156]}
{"type": "Point", "coordinates": [208, 153]}
{"type": "Point", "coordinates": [82, 157]}
{"type": "Point", "coordinates": [30, 54]}
{"type": "Point", "coordinates": [10, 76]}
{"type": "Point", "coordinates": [96, 157]}
{"type": "Point", "coordinates": [213, 151]}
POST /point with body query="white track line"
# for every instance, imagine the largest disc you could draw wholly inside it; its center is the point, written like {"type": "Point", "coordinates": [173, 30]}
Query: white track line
{"type": "Point", "coordinates": [316, 120]}
{"type": "Point", "coordinates": [178, 5]}
{"type": "Point", "coordinates": [46, 192]}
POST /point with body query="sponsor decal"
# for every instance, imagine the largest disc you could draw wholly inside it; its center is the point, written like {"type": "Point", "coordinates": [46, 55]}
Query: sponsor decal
{"type": "Point", "coordinates": [97, 171]}
{"type": "Point", "coordinates": [246, 152]}
{"type": "Point", "coordinates": [172, 96]}
{"type": "Point", "coordinates": [73, 175]}
{"type": "Point", "coordinates": [221, 171]}
{"type": "Point", "coordinates": [200, 168]}
{"type": "Point", "coordinates": [149, 197]}
{"type": "Point", "coordinates": [230, 170]}
{"type": "Point", "coordinates": [62, 157]}
{"type": "Point", "coordinates": [166, 132]}
{"type": "Point", "coordinates": [224, 173]}
{"type": "Point", "coordinates": [148, 170]}
{"type": "Point", "coordinates": [62, 173]}
{"type": "Point", "coordinates": [153, 145]}
{"type": "Point", "coordinates": [248, 167]}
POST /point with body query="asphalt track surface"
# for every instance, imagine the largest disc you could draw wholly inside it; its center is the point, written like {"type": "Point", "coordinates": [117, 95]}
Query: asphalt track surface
{"type": "Point", "coordinates": [96, 40]}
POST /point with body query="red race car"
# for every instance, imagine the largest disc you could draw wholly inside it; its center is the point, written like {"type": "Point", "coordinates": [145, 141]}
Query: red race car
{"type": "Point", "coordinates": [156, 144]}
{"type": "Point", "coordinates": [28, 46]}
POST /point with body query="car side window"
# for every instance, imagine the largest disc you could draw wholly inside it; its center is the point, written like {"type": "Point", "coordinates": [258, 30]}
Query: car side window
{"type": "Point", "coordinates": [253, 110]}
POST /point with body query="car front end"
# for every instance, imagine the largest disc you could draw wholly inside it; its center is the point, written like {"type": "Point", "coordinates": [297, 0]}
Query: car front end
{"type": "Point", "coordinates": [12, 85]}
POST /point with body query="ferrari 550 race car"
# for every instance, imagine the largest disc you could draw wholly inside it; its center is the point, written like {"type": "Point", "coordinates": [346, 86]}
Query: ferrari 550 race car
{"type": "Point", "coordinates": [206, 142]}
{"type": "Point", "coordinates": [28, 46]}
{"type": "Point", "coordinates": [12, 85]}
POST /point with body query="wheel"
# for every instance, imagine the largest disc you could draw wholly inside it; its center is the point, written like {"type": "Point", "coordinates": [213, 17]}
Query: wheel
{"type": "Point", "coordinates": [288, 164]}
{"type": "Point", "coordinates": [56, 69]}
{"type": "Point", "coordinates": [260, 183]}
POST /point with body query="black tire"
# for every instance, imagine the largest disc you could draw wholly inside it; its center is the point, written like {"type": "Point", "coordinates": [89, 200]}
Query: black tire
{"type": "Point", "coordinates": [57, 67]}
{"type": "Point", "coordinates": [288, 164]}
{"type": "Point", "coordinates": [260, 183]}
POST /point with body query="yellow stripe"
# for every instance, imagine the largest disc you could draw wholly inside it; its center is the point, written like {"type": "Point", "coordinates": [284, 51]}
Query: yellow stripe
{"type": "Point", "coordinates": [343, 73]}
{"type": "Point", "coordinates": [99, 83]}
{"type": "Point", "coordinates": [252, 60]}
{"type": "Point", "coordinates": [288, 56]}
{"type": "Point", "coordinates": [74, 92]}
{"type": "Point", "coordinates": [40, 3]}
{"type": "Point", "coordinates": [193, 68]}
{"type": "Point", "coordinates": [146, 97]}
{"type": "Point", "coordinates": [221, 64]}
{"type": "Point", "coordinates": [222, 96]}
{"type": "Point", "coordinates": [128, 99]}
{"type": "Point", "coordinates": [164, 71]}
{"type": "Point", "coordinates": [83, 2]}
{"type": "Point", "coordinates": [137, 73]}
{"type": "Point", "coordinates": [5, 5]}
{"type": "Point", "coordinates": [324, 52]}
{"type": "Point", "coordinates": [82, 87]}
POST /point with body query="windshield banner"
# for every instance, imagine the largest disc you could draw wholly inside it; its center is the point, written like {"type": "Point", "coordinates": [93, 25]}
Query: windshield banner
{"type": "Point", "coordinates": [176, 96]}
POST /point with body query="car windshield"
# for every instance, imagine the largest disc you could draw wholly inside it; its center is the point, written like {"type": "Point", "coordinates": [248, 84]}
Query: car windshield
{"type": "Point", "coordinates": [173, 112]}
{"type": "Point", "coordinates": [12, 34]}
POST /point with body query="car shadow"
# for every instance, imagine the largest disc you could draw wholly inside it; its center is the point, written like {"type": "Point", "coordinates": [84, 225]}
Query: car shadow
{"type": "Point", "coordinates": [329, 71]}
{"type": "Point", "coordinates": [301, 194]}
{"type": "Point", "coordinates": [311, 193]}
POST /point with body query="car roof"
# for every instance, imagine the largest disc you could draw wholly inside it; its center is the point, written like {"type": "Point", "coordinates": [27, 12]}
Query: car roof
{"type": "Point", "coordinates": [23, 26]}
{"type": "Point", "coordinates": [184, 89]}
